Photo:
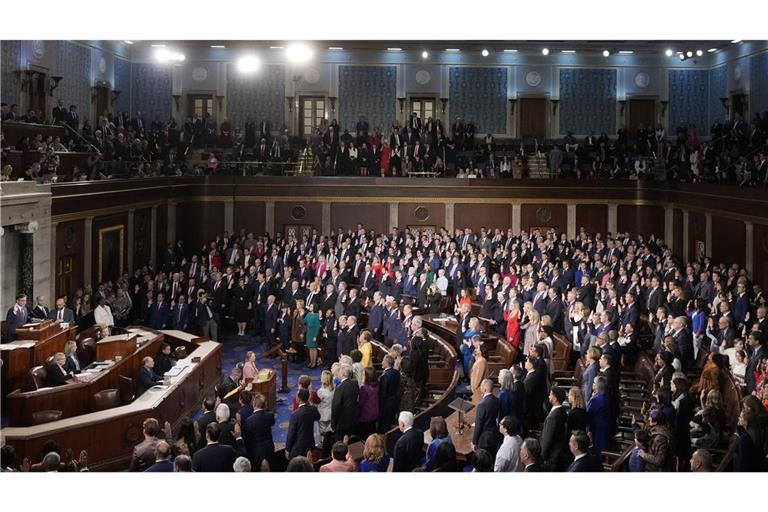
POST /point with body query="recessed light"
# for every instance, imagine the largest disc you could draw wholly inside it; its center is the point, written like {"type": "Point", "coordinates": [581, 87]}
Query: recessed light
{"type": "Point", "coordinates": [128, 42]}
{"type": "Point", "coordinates": [712, 50]}
{"type": "Point", "coordinates": [736, 41]}
{"type": "Point", "coordinates": [484, 52]}
{"type": "Point", "coordinates": [699, 53]}
{"type": "Point", "coordinates": [606, 53]}
{"type": "Point", "coordinates": [158, 46]}
{"type": "Point", "coordinates": [299, 53]}
{"type": "Point", "coordinates": [567, 51]}
{"type": "Point", "coordinates": [545, 51]}
{"type": "Point", "coordinates": [669, 53]}
{"type": "Point", "coordinates": [275, 47]}
{"type": "Point", "coordinates": [510, 51]}
{"type": "Point", "coordinates": [424, 54]}
{"type": "Point", "coordinates": [626, 52]}
{"type": "Point", "coordinates": [218, 46]}
{"type": "Point", "coordinates": [335, 48]}
{"type": "Point", "coordinates": [394, 49]}
{"type": "Point", "coordinates": [689, 54]}
{"type": "Point", "coordinates": [452, 50]}
{"type": "Point", "coordinates": [681, 55]}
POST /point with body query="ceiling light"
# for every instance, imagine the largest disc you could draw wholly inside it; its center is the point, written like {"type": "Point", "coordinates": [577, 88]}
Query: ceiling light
{"type": "Point", "coordinates": [626, 52]}
{"type": "Point", "coordinates": [545, 51]}
{"type": "Point", "coordinates": [712, 50]}
{"type": "Point", "coordinates": [736, 41]}
{"type": "Point", "coordinates": [335, 48]}
{"type": "Point", "coordinates": [298, 53]}
{"type": "Point", "coordinates": [248, 64]}
{"type": "Point", "coordinates": [275, 47]}
{"type": "Point", "coordinates": [681, 55]}
{"type": "Point", "coordinates": [128, 42]}
{"type": "Point", "coordinates": [218, 46]}
{"type": "Point", "coordinates": [510, 51]}
{"type": "Point", "coordinates": [452, 50]}
{"type": "Point", "coordinates": [669, 53]}
{"type": "Point", "coordinates": [699, 53]}
{"type": "Point", "coordinates": [484, 52]}
{"type": "Point", "coordinates": [606, 53]}
{"type": "Point", "coordinates": [163, 55]}
{"type": "Point", "coordinates": [424, 54]}
{"type": "Point", "coordinates": [689, 54]}
{"type": "Point", "coordinates": [394, 49]}
{"type": "Point", "coordinates": [567, 51]}
{"type": "Point", "coordinates": [158, 46]}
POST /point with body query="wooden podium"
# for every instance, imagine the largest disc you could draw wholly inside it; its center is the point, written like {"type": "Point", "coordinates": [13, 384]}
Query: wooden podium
{"type": "Point", "coordinates": [121, 345]}
{"type": "Point", "coordinates": [267, 387]}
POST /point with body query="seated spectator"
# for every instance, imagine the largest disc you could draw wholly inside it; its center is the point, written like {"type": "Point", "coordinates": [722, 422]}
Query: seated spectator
{"type": "Point", "coordinates": [341, 460]}
{"type": "Point", "coordinates": [375, 458]}
{"type": "Point", "coordinates": [57, 373]}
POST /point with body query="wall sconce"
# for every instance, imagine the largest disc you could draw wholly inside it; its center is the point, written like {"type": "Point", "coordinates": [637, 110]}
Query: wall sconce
{"type": "Point", "coordinates": [554, 106]}
{"type": "Point", "coordinates": [115, 95]}
{"type": "Point", "coordinates": [290, 99]}
{"type": "Point", "coordinates": [664, 107]}
{"type": "Point", "coordinates": [443, 103]}
{"type": "Point", "coordinates": [332, 99]}
{"type": "Point", "coordinates": [512, 103]}
{"type": "Point", "coordinates": [54, 83]}
{"type": "Point", "coordinates": [176, 98]}
{"type": "Point", "coordinates": [623, 104]}
{"type": "Point", "coordinates": [220, 99]}
{"type": "Point", "coordinates": [402, 104]}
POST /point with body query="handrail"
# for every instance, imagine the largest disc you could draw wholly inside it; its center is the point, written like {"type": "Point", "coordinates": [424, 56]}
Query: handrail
{"type": "Point", "coordinates": [81, 137]}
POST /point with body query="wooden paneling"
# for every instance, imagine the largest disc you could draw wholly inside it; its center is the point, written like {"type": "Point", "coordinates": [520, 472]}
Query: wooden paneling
{"type": "Point", "coordinates": [476, 216]}
{"type": "Point", "coordinates": [641, 219]}
{"type": "Point", "coordinates": [109, 221]}
{"type": "Point", "coordinates": [372, 216]}
{"type": "Point", "coordinates": [760, 255]}
{"type": "Point", "coordinates": [697, 231]}
{"type": "Point", "coordinates": [728, 240]}
{"type": "Point", "coordinates": [641, 112]}
{"type": "Point", "coordinates": [70, 250]}
{"type": "Point", "coordinates": [677, 228]}
{"type": "Point", "coordinates": [142, 236]}
{"type": "Point", "coordinates": [592, 217]}
{"type": "Point", "coordinates": [533, 118]}
{"type": "Point", "coordinates": [161, 230]}
{"type": "Point", "coordinates": [305, 213]}
{"type": "Point", "coordinates": [198, 223]}
{"type": "Point", "coordinates": [249, 216]}
{"type": "Point", "coordinates": [544, 215]}
{"type": "Point", "coordinates": [415, 214]}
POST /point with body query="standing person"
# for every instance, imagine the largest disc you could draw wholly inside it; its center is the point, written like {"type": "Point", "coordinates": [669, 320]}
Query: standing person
{"type": "Point", "coordinates": [486, 432]}
{"type": "Point", "coordinates": [554, 435]}
{"type": "Point", "coordinates": [599, 419]}
{"type": "Point", "coordinates": [325, 394]}
{"type": "Point", "coordinates": [312, 322]}
{"type": "Point", "coordinates": [301, 427]}
{"type": "Point", "coordinates": [257, 433]}
{"type": "Point", "coordinates": [508, 455]}
{"type": "Point", "coordinates": [409, 448]}
{"type": "Point", "coordinates": [205, 317]}
{"type": "Point", "coordinates": [368, 404]}
{"type": "Point", "coordinates": [388, 388]}
{"type": "Point", "coordinates": [242, 306]}
{"type": "Point", "coordinates": [344, 405]}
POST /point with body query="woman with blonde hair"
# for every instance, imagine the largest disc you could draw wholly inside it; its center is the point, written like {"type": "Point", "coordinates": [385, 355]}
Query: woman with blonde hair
{"type": "Point", "coordinates": [250, 372]}
{"type": "Point", "coordinates": [375, 458]}
{"type": "Point", "coordinates": [73, 363]}
{"type": "Point", "coordinates": [577, 414]}
{"type": "Point", "coordinates": [512, 317]}
{"type": "Point", "coordinates": [365, 347]}
{"type": "Point", "coordinates": [325, 393]}
{"type": "Point", "coordinates": [531, 327]}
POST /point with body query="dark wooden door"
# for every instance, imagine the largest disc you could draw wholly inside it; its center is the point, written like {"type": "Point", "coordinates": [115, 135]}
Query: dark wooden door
{"type": "Point", "coordinates": [102, 102]}
{"type": "Point", "coordinates": [641, 112]}
{"type": "Point", "coordinates": [533, 118]}
{"type": "Point", "coordinates": [738, 105]}
{"type": "Point", "coordinates": [37, 94]}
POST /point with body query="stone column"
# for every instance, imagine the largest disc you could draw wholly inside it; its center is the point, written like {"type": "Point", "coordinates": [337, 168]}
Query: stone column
{"type": "Point", "coordinates": [129, 238]}
{"type": "Point", "coordinates": [749, 263]}
{"type": "Point", "coordinates": [571, 228]}
{"type": "Point", "coordinates": [325, 218]}
{"type": "Point", "coordinates": [708, 235]}
{"type": "Point", "coordinates": [669, 227]}
{"type": "Point", "coordinates": [153, 237]}
{"type": "Point", "coordinates": [449, 217]}
{"type": "Point", "coordinates": [613, 218]}
{"type": "Point", "coordinates": [229, 216]}
{"type": "Point", "coordinates": [269, 217]}
{"type": "Point", "coordinates": [88, 252]}
{"type": "Point", "coordinates": [686, 244]}
{"type": "Point", "coordinates": [516, 213]}
{"type": "Point", "coordinates": [54, 265]}
{"type": "Point", "coordinates": [393, 216]}
{"type": "Point", "coordinates": [171, 228]}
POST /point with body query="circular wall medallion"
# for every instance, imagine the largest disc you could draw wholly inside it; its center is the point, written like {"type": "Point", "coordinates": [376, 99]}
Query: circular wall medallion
{"type": "Point", "coordinates": [737, 72]}
{"type": "Point", "coordinates": [421, 213]}
{"type": "Point", "coordinates": [298, 212]}
{"type": "Point", "coordinates": [102, 65]}
{"type": "Point", "coordinates": [543, 214]}
{"type": "Point", "coordinates": [423, 77]}
{"type": "Point", "coordinates": [533, 78]}
{"type": "Point", "coordinates": [642, 80]}
{"type": "Point", "coordinates": [312, 76]}
{"type": "Point", "coordinates": [199, 74]}
{"type": "Point", "coordinates": [38, 49]}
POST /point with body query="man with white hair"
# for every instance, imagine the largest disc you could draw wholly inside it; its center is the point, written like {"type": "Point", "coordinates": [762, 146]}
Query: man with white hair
{"type": "Point", "coordinates": [684, 340]}
{"type": "Point", "coordinates": [344, 405]}
{"type": "Point", "coordinates": [242, 465]}
{"type": "Point", "coordinates": [226, 427]}
{"type": "Point", "coordinates": [409, 448]}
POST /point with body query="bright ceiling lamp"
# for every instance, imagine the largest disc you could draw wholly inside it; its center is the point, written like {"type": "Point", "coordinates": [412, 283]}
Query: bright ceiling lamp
{"type": "Point", "coordinates": [164, 55]}
{"type": "Point", "coordinates": [248, 64]}
{"type": "Point", "coordinates": [299, 53]}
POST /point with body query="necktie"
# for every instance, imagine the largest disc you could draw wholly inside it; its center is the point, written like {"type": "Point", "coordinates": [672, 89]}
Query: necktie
{"type": "Point", "coordinates": [61, 315]}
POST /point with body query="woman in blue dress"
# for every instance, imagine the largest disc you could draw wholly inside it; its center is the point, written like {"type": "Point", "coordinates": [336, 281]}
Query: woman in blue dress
{"type": "Point", "coordinates": [312, 321]}
{"type": "Point", "coordinates": [375, 458]}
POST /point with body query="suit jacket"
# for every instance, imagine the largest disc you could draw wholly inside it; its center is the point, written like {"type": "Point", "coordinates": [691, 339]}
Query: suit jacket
{"type": "Point", "coordinates": [161, 466]}
{"type": "Point", "coordinates": [143, 455]}
{"type": "Point", "coordinates": [40, 313]}
{"type": "Point", "coordinates": [389, 396]}
{"type": "Point", "coordinates": [67, 315]}
{"type": "Point", "coordinates": [409, 451]}
{"type": "Point", "coordinates": [344, 406]}
{"type": "Point", "coordinates": [301, 430]}
{"type": "Point", "coordinates": [486, 432]}
{"type": "Point", "coordinates": [214, 458]}
{"type": "Point", "coordinates": [180, 317]}
{"type": "Point", "coordinates": [55, 376]}
{"type": "Point", "coordinates": [554, 439]}
{"type": "Point", "coordinates": [15, 320]}
{"type": "Point", "coordinates": [257, 437]}
{"type": "Point", "coordinates": [145, 379]}
{"type": "Point", "coordinates": [586, 464]}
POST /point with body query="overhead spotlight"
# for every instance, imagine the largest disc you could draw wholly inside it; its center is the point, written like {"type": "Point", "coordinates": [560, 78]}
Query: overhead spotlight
{"type": "Point", "coordinates": [545, 51]}
{"type": "Point", "coordinates": [669, 53]}
{"type": "Point", "coordinates": [275, 47]}
{"type": "Point", "coordinates": [699, 53]}
{"type": "Point", "coordinates": [689, 54]}
{"type": "Point", "coordinates": [394, 49]}
{"type": "Point", "coordinates": [452, 50]}
{"type": "Point", "coordinates": [681, 55]}
{"type": "Point", "coordinates": [712, 50]}
{"type": "Point", "coordinates": [163, 55]}
{"type": "Point", "coordinates": [567, 51]}
{"type": "Point", "coordinates": [248, 64]}
{"type": "Point", "coordinates": [484, 52]}
{"type": "Point", "coordinates": [218, 46]}
{"type": "Point", "coordinates": [510, 51]}
{"type": "Point", "coordinates": [299, 53]}
{"type": "Point", "coordinates": [128, 42]}
{"type": "Point", "coordinates": [626, 52]}
{"type": "Point", "coordinates": [424, 54]}
{"type": "Point", "coordinates": [606, 53]}
{"type": "Point", "coordinates": [335, 48]}
{"type": "Point", "coordinates": [158, 46]}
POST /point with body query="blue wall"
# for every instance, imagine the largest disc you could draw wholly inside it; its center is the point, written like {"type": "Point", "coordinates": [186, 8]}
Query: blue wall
{"type": "Point", "coordinates": [688, 96]}
{"type": "Point", "coordinates": [10, 56]}
{"type": "Point", "coordinates": [718, 88]}
{"type": "Point", "coordinates": [151, 91]}
{"type": "Point", "coordinates": [122, 84]}
{"type": "Point", "coordinates": [588, 101]}
{"type": "Point", "coordinates": [369, 91]}
{"type": "Point", "coordinates": [256, 97]}
{"type": "Point", "coordinates": [73, 62]}
{"type": "Point", "coordinates": [479, 95]}
{"type": "Point", "coordinates": [758, 83]}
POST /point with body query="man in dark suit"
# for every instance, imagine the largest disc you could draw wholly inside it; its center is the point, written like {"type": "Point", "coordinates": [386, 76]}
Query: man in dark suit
{"type": "Point", "coordinates": [162, 464]}
{"type": "Point", "coordinates": [40, 311]}
{"type": "Point", "coordinates": [486, 432]}
{"type": "Point", "coordinates": [61, 313]}
{"type": "Point", "coordinates": [57, 374]}
{"type": "Point", "coordinates": [17, 316]}
{"type": "Point", "coordinates": [205, 318]}
{"type": "Point", "coordinates": [214, 457]}
{"type": "Point", "coordinates": [209, 415]}
{"type": "Point", "coordinates": [655, 297]}
{"type": "Point", "coordinates": [757, 346]}
{"type": "Point", "coordinates": [389, 396]}
{"type": "Point", "coordinates": [554, 309]}
{"type": "Point", "coordinates": [271, 314]}
{"type": "Point", "coordinates": [257, 433]}
{"type": "Point", "coordinates": [611, 375]}
{"type": "Point", "coordinates": [554, 435]}
{"type": "Point", "coordinates": [409, 448]}
{"type": "Point", "coordinates": [344, 405]}
{"type": "Point", "coordinates": [180, 314]}
{"type": "Point", "coordinates": [144, 453]}
{"type": "Point", "coordinates": [631, 313]}
{"type": "Point", "coordinates": [147, 377]}
{"type": "Point", "coordinates": [583, 461]}
{"type": "Point", "coordinates": [301, 427]}
{"type": "Point", "coordinates": [530, 456]}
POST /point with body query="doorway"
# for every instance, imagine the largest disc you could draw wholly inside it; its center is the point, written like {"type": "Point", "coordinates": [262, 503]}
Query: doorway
{"type": "Point", "coordinates": [533, 118]}
{"type": "Point", "coordinates": [424, 108]}
{"type": "Point", "coordinates": [311, 114]}
{"type": "Point", "coordinates": [200, 104]}
{"type": "Point", "coordinates": [641, 112]}
{"type": "Point", "coordinates": [739, 105]}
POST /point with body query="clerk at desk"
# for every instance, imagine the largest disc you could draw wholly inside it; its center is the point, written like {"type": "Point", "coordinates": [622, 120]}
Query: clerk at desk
{"type": "Point", "coordinates": [147, 376]}
{"type": "Point", "coordinates": [57, 374]}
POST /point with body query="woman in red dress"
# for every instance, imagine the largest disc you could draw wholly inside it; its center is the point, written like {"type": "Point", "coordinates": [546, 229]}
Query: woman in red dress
{"type": "Point", "coordinates": [512, 317]}
{"type": "Point", "coordinates": [385, 154]}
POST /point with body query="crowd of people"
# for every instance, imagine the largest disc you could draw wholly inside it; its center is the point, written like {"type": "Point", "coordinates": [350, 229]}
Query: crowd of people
{"type": "Point", "coordinates": [322, 299]}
